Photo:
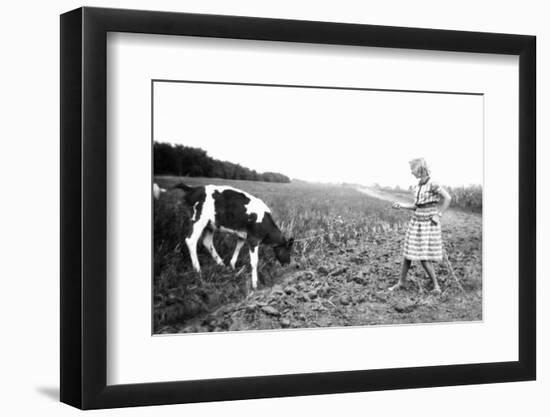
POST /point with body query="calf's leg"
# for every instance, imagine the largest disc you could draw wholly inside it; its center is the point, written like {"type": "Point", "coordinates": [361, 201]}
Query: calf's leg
{"type": "Point", "coordinates": [254, 265]}
{"type": "Point", "coordinates": [208, 242]}
{"type": "Point", "coordinates": [238, 248]}
{"type": "Point", "coordinates": [191, 243]}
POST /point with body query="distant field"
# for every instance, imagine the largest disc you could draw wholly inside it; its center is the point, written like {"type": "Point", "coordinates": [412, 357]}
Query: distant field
{"type": "Point", "coordinates": [334, 213]}
{"type": "Point", "coordinates": [348, 251]}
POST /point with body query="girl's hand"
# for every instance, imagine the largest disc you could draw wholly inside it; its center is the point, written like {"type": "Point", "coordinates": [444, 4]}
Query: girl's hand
{"type": "Point", "coordinates": [396, 205]}
{"type": "Point", "coordinates": [436, 219]}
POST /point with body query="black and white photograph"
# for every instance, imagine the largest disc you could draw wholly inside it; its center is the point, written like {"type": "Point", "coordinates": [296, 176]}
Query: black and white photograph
{"type": "Point", "coordinates": [308, 206]}
{"type": "Point", "coordinates": [242, 208]}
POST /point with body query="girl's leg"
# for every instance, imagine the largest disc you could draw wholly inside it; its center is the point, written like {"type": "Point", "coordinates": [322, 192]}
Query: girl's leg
{"type": "Point", "coordinates": [428, 267]}
{"type": "Point", "coordinates": [404, 270]}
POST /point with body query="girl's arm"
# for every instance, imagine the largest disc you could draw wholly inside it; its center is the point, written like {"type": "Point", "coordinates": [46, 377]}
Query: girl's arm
{"type": "Point", "coordinates": [405, 206]}
{"type": "Point", "coordinates": [436, 218]}
{"type": "Point", "coordinates": [446, 200]}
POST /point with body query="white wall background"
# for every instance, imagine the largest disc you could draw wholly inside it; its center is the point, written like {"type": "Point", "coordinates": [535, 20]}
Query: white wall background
{"type": "Point", "coordinates": [29, 211]}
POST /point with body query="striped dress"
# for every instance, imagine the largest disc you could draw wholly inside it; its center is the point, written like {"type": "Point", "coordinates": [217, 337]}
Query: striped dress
{"type": "Point", "coordinates": [423, 239]}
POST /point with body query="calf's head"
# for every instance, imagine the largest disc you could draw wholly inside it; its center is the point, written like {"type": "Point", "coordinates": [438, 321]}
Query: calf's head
{"type": "Point", "coordinates": [282, 251]}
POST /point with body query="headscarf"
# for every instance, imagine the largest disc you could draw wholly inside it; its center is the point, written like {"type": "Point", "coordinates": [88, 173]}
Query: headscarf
{"type": "Point", "coordinates": [420, 166]}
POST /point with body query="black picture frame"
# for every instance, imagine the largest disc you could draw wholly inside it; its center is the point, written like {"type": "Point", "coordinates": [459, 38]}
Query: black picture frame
{"type": "Point", "coordinates": [84, 207]}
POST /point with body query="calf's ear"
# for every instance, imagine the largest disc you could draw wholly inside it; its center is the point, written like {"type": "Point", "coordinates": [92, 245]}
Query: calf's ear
{"type": "Point", "coordinates": [290, 242]}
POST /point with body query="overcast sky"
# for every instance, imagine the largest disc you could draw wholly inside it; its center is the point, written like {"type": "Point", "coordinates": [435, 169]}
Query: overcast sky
{"type": "Point", "coordinates": [324, 135]}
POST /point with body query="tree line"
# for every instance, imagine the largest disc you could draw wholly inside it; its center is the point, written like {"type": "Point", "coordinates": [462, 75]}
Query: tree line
{"type": "Point", "coordinates": [187, 161]}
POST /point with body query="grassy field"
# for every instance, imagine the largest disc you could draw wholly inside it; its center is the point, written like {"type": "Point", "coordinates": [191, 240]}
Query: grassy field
{"type": "Point", "coordinates": [347, 253]}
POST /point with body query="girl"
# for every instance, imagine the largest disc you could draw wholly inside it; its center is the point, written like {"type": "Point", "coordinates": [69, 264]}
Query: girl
{"type": "Point", "coordinates": [423, 239]}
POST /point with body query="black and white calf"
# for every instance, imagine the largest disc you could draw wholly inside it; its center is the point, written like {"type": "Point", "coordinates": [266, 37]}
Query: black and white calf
{"type": "Point", "coordinates": [230, 210]}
